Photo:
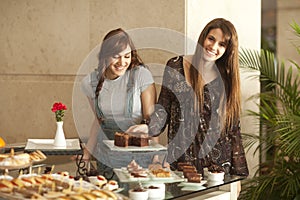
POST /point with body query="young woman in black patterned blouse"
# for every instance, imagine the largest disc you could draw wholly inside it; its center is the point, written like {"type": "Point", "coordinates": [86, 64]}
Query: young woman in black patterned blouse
{"type": "Point", "coordinates": [200, 103]}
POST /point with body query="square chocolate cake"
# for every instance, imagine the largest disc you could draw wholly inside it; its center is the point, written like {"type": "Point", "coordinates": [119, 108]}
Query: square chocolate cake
{"type": "Point", "coordinates": [139, 139]}
{"type": "Point", "coordinates": [121, 139]}
{"type": "Point", "coordinates": [126, 139]}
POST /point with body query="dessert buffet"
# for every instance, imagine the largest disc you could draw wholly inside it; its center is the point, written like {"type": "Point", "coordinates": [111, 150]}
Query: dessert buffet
{"type": "Point", "coordinates": [19, 181]}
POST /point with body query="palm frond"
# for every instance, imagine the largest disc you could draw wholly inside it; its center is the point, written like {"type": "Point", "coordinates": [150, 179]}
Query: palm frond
{"type": "Point", "coordinates": [279, 115]}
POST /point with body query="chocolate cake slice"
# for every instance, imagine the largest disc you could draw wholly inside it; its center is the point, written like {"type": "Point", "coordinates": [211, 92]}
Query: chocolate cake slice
{"type": "Point", "coordinates": [139, 139]}
{"type": "Point", "coordinates": [121, 139]}
{"type": "Point", "coordinates": [194, 177]}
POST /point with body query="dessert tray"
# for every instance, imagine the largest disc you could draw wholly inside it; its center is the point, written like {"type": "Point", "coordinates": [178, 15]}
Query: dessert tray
{"type": "Point", "coordinates": [125, 176]}
{"type": "Point", "coordinates": [153, 146]}
{"type": "Point", "coordinates": [52, 186]}
{"type": "Point", "coordinates": [20, 160]}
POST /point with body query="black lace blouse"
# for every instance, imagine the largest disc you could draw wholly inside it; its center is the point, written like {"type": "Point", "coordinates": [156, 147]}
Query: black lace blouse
{"type": "Point", "coordinates": [192, 136]}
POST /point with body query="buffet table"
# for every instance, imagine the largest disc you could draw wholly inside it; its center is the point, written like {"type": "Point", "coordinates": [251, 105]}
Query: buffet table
{"type": "Point", "coordinates": [175, 188]}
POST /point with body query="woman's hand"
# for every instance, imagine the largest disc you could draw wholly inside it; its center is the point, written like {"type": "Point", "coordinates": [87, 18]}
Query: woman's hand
{"type": "Point", "coordinates": [138, 128]}
{"type": "Point", "coordinates": [86, 155]}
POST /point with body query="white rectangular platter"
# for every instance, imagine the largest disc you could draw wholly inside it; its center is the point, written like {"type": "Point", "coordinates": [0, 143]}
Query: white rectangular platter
{"type": "Point", "coordinates": [153, 146]}
{"type": "Point", "coordinates": [47, 144]}
{"type": "Point", "coordinates": [125, 177]}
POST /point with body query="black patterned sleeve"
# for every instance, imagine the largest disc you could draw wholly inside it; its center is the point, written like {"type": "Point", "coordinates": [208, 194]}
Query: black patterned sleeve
{"type": "Point", "coordinates": [161, 117]}
{"type": "Point", "coordinates": [239, 162]}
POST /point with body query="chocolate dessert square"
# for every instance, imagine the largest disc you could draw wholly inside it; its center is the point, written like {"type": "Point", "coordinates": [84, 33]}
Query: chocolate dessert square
{"type": "Point", "coordinates": [139, 139]}
{"type": "Point", "coordinates": [121, 139]}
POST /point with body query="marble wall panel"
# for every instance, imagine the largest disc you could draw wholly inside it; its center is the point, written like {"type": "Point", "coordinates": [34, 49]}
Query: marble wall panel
{"type": "Point", "coordinates": [287, 13]}
{"type": "Point", "coordinates": [43, 37]}
{"type": "Point", "coordinates": [44, 44]}
{"type": "Point", "coordinates": [26, 108]}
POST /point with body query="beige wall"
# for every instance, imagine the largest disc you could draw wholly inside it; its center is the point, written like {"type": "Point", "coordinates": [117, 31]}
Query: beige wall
{"type": "Point", "coordinates": [288, 11]}
{"type": "Point", "coordinates": [43, 44]}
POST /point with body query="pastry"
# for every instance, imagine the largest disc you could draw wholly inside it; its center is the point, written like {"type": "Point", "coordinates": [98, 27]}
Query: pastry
{"type": "Point", "coordinates": [111, 185]}
{"type": "Point", "coordinates": [161, 173]}
{"type": "Point", "coordinates": [194, 177]}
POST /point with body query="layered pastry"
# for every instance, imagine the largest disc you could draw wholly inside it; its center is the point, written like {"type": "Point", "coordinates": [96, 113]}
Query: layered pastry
{"type": "Point", "coordinates": [181, 165]}
{"type": "Point", "coordinates": [194, 177]}
{"type": "Point", "coordinates": [161, 173]}
{"type": "Point", "coordinates": [190, 172]}
{"type": "Point", "coordinates": [127, 139]}
{"type": "Point", "coordinates": [188, 169]}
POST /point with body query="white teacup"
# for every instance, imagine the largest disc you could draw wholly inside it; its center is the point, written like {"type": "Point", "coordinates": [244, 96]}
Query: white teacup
{"type": "Point", "coordinates": [216, 177]}
{"type": "Point", "coordinates": [156, 191]}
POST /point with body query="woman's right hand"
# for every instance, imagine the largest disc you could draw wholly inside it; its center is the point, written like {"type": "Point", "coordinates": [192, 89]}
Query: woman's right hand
{"type": "Point", "coordinates": [138, 128]}
{"type": "Point", "coordinates": [86, 155]}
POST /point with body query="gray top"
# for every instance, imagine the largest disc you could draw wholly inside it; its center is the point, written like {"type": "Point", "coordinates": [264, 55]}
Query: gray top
{"type": "Point", "coordinates": [113, 95]}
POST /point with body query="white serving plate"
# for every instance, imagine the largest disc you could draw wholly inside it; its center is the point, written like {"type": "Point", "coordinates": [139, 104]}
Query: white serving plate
{"type": "Point", "coordinates": [192, 188]}
{"type": "Point", "coordinates": [190, 184]}
{"type": "Point", "coordinates": [153, 146]}
{"type": "Point", "coordinates": [124, 177]}
{"type": "Point", "coordinates": [47, 144]}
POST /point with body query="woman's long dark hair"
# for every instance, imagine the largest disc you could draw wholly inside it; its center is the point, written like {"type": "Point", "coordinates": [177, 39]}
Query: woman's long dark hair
{"type": "Point", "coordinates": [228, 67]}
{"type": "Point", "coordinates": [113, 43]}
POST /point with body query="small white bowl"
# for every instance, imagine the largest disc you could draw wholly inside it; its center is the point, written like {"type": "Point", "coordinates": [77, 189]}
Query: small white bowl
{"type": "Point", "coordinates": [138, 195]}
{"type": "Point", "coordinates": [216, 177]}
{"type": "Point", "coordinates": [156, 191]}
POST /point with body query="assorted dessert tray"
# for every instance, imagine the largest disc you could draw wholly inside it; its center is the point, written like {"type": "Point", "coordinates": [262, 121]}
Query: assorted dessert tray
{"type": "Point", "coordinates": [58, 186]}
{"type": "Point", "coordinates": [21, 160]}
{"type": "Point", "coordinates": [154, 173]}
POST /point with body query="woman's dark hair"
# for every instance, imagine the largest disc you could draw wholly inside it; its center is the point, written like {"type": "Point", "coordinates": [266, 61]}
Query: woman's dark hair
{"type": "Point", "coordinates": [113, 43]}
{"type": "Point", "coordinates": [228, 67]}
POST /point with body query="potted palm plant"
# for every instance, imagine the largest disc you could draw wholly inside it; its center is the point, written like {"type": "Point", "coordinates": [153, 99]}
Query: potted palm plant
{"type": "Point", "coordinates": [278, 176]}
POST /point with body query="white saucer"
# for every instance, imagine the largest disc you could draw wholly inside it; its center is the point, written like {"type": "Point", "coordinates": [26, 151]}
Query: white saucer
{"type": "Point", "coordinates": [190, 184]}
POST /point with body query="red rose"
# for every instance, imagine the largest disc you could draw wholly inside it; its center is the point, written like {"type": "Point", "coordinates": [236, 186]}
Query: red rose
{"type": "Point", "coordinates": [58, 108]}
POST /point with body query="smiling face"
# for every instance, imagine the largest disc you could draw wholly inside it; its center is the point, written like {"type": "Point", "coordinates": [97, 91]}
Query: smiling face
{"type": "Point", "coordinates": [119, 63]}
{"type": "Point", "coordinates": [214, 45]}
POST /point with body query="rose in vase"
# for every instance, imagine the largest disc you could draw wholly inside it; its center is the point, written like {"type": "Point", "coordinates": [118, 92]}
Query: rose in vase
{"type": "Point", "coordinates": [59, 109]}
